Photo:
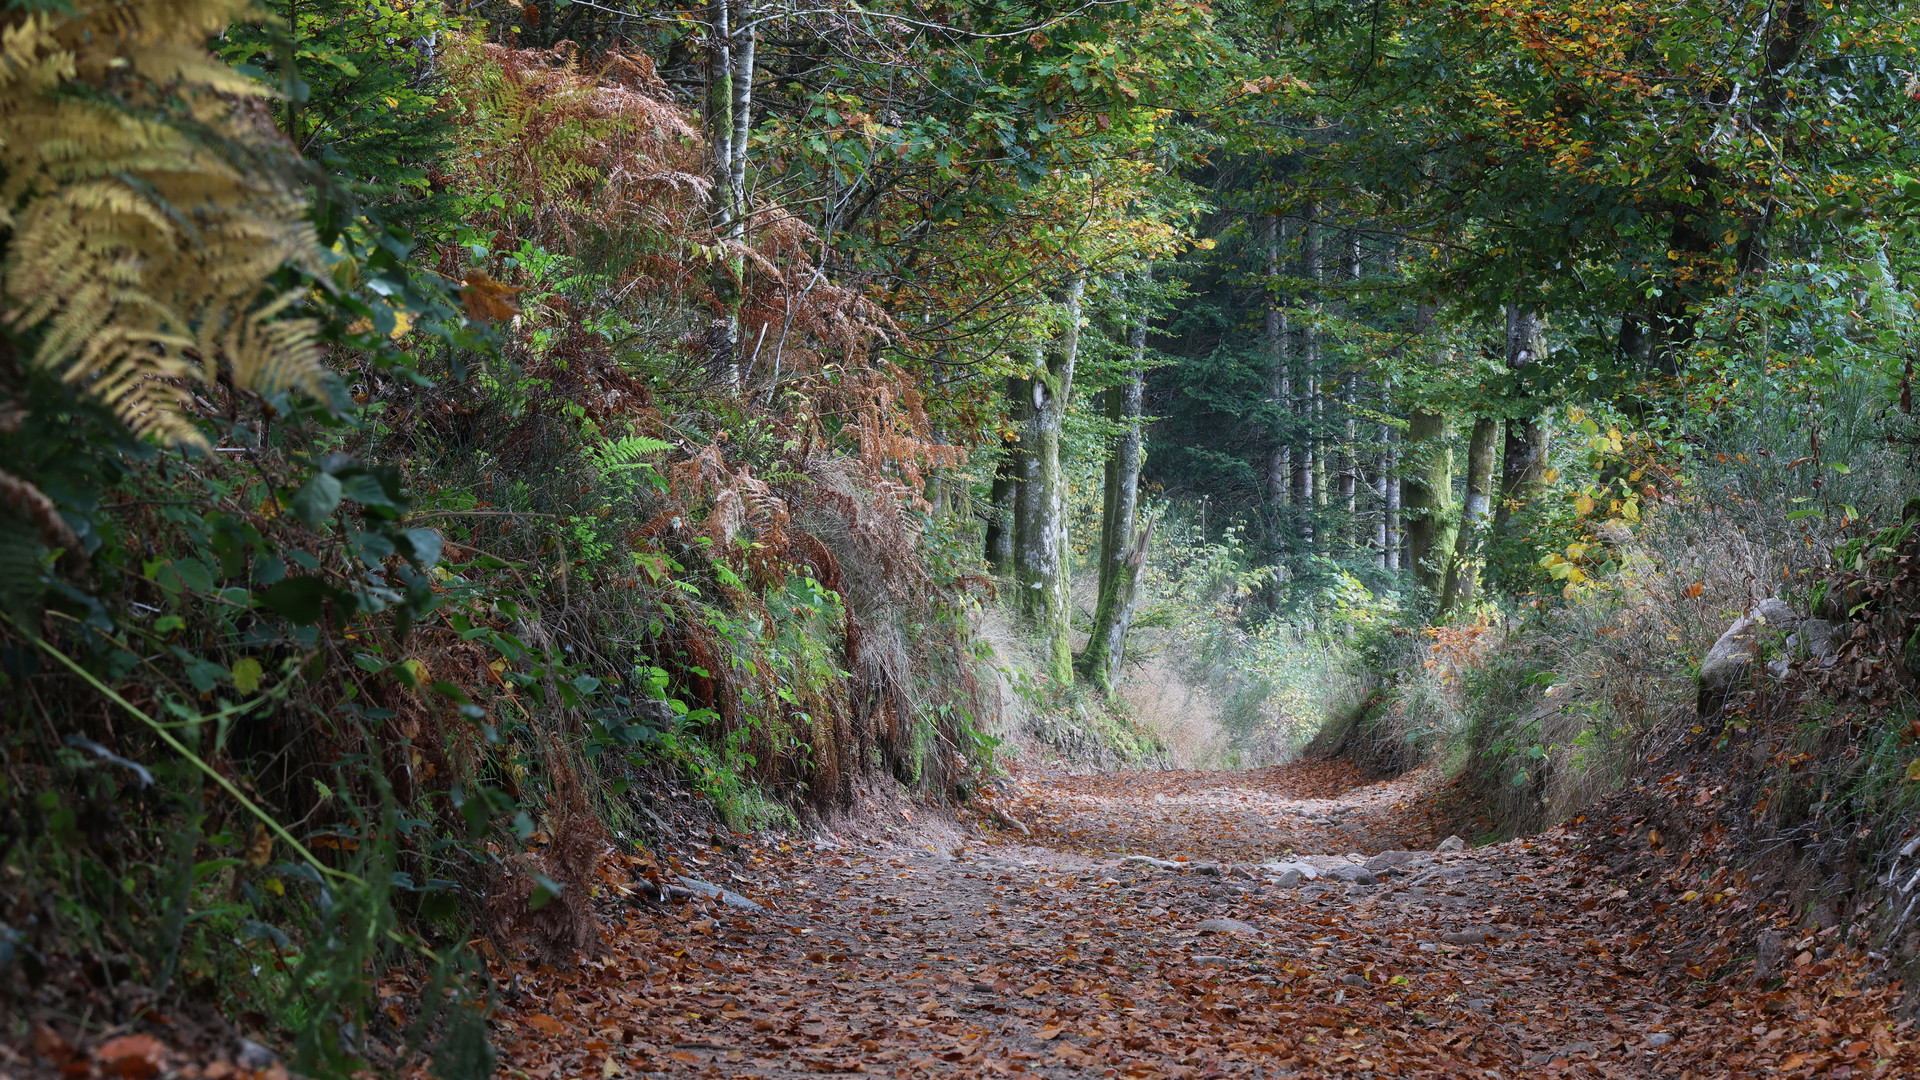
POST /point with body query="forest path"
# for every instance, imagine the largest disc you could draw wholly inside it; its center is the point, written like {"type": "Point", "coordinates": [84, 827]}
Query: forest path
{"type": "Point", "coordinates": [1054, 956]}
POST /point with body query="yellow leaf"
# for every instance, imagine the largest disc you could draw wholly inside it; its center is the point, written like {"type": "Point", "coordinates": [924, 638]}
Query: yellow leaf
{"type": "Point", "coordinates": [418, 670]}
{"type": "Point", "coordinates": [260, 846]}
{"type": "Point", "coordinates": [1554, 474]}
{"type": "Point", "coordinates": [1913, 769]}
{"type": "Point", "coordinates": [1575, 576]}
{"type": "Point", "coordinates": [1576, 550]}
{"type": "Point", "coordinates": [246, 674]}
{"type": "Point", "coordinates": [1583, 505]}
{"type": "Point", "coordinates": [1575, 414]}
{"type": "Point", "coordinates": [275, 886]}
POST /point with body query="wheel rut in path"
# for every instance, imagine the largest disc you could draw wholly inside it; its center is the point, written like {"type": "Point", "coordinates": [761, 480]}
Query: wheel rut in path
{"type": "Point", "coordinates": [1142, 929]}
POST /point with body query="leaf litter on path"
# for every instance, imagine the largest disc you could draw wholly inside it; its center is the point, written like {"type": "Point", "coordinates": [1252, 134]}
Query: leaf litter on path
{"type": "Point", "coordinates": [1053, 957]}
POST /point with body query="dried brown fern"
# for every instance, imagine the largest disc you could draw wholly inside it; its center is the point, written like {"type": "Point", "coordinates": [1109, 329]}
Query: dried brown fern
{"type": "Point", "coordinates": [144, 227]}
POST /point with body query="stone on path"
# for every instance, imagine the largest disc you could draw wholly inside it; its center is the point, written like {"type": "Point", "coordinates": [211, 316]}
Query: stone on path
{"type": "Point", "coordinates": [1150, 861]}
{"type": "Point", "coordinates": [1465, 937]}
{"type": "Point", "coordinates": [1389, 860]}
{"type": "Point", "coordinates": [1452, 843]}
{"type": "Point", "coordinates": [1226, 926]}
{"type": "Point", "coordinates": [726, 896]}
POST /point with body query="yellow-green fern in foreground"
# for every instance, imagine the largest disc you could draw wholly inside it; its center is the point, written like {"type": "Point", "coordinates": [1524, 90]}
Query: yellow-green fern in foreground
{"type": "Point", "coordinates": [146, 215]}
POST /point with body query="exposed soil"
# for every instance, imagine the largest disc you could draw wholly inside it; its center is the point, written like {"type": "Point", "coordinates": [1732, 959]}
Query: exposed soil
{"type": "Point", "coordinates": [993, 952]}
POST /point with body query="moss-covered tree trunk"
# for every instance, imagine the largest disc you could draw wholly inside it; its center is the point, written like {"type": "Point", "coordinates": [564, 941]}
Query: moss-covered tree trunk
{"type": "Point", "coordinates": [1427, 498]}
{"type": "Point", "coordinates": [1040, 552]}
{"type": "Point", "coordinates": [1123, 545]}
{"type": "Point", "coordinates": [1463, 574]}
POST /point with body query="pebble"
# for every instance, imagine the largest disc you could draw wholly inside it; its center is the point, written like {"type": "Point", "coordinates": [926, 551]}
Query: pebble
{"type": "Point", "coordinates": [1216, 961]}
{"type": "Point", "coordinates": [1464, 937]}
{"type": "Point", "coordinates": [1658, 1039]}
{"type": "Point", "coordinates": [1354, 980]}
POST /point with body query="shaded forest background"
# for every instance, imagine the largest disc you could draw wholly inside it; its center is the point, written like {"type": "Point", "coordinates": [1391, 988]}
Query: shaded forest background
{"type": "Point", "coordinates": [443, 446]}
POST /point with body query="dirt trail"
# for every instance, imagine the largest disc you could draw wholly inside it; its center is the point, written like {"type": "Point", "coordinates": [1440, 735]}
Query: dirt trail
{"type": "Point", "coordinates": [1049, 954]}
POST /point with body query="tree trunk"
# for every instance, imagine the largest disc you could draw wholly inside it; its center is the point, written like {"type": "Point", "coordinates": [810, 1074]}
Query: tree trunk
{"type": "Point", "coordinates": [1464, 573]}
{"type": "Point", "coordinates": [1041, 551]}
{"type": "Point", "coordinates": [1003, 522]}
{"type": "Point", "coordinates": [1382, 479]}
{"type": "Point", "coordinates": [1395, 538]}
{"type": "Point", "coordinates": [1523, 468]}
{"type": "Point", "coordinates": [730, 61]}
{"type": "Point", "coordinates": [1122, 552]}
{"type": "Point", "coordinates": [1428, 497]}
{"type": "Point", "coordinates": [1350, 463]}
{"type": "Point", "coordinates": [1279, 384]}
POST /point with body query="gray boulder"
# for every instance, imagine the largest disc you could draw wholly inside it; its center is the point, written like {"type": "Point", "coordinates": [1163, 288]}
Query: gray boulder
{"type": "Point", "coordinates": [1452, 843]}
{"type": "Point", "coordinates": [1727, 662]}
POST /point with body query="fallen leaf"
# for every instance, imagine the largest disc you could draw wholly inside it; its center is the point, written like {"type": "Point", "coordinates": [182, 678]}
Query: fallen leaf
{"type": "Point", "coordinates": [131, 1057]}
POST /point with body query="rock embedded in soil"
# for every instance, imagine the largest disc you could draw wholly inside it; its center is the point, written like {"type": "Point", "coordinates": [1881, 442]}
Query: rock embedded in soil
{"type": "Point", "coordinates": [1391, 860]}
{"type": "Point", "coordinates": [1452, 843]}
{"type": "Point", "coordinates": [1226, 926]}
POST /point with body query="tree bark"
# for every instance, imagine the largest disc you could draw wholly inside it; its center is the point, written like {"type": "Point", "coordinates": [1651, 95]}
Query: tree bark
{"type": "Point", "coordinates": [1395, 538]}
{"type": "Point", "coordinates": [1279, 383]}
{"type": "Point", "coordinates": [1428, 498]}
{"type": "Point", "coordinates": [1003, 522]}
{"type": "Point", "coordinates": [1122, 552]}
{"type": "Point", "coordinates": [1041, 551]}
{"type": "Point", "coordinates": [1523, 467]}
{"type": "Point", "coordinates": [730, 60]}
{"type": "Point", "coordinates": [1463, 575]}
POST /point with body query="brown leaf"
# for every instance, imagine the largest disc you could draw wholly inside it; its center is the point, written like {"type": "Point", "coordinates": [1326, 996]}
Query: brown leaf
{"type": "Point", "coordinates": [487, 300]}
{"type": "Point", "coordinates": [131, 1057]}
{"type": "Point", "coordinates": [48, 1044]}
{"type": "Point", "coordinates": [549, 1025]}
{"type": "Point", "coordinates": [1048, 1033]}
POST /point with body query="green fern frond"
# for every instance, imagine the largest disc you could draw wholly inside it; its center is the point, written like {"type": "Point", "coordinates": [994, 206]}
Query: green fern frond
{"type": "Point", "coordinates": [626, 453]}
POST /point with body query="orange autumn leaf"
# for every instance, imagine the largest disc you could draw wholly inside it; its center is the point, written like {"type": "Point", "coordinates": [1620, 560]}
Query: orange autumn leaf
{"type": "Point", "coordinates": [487, 300]}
